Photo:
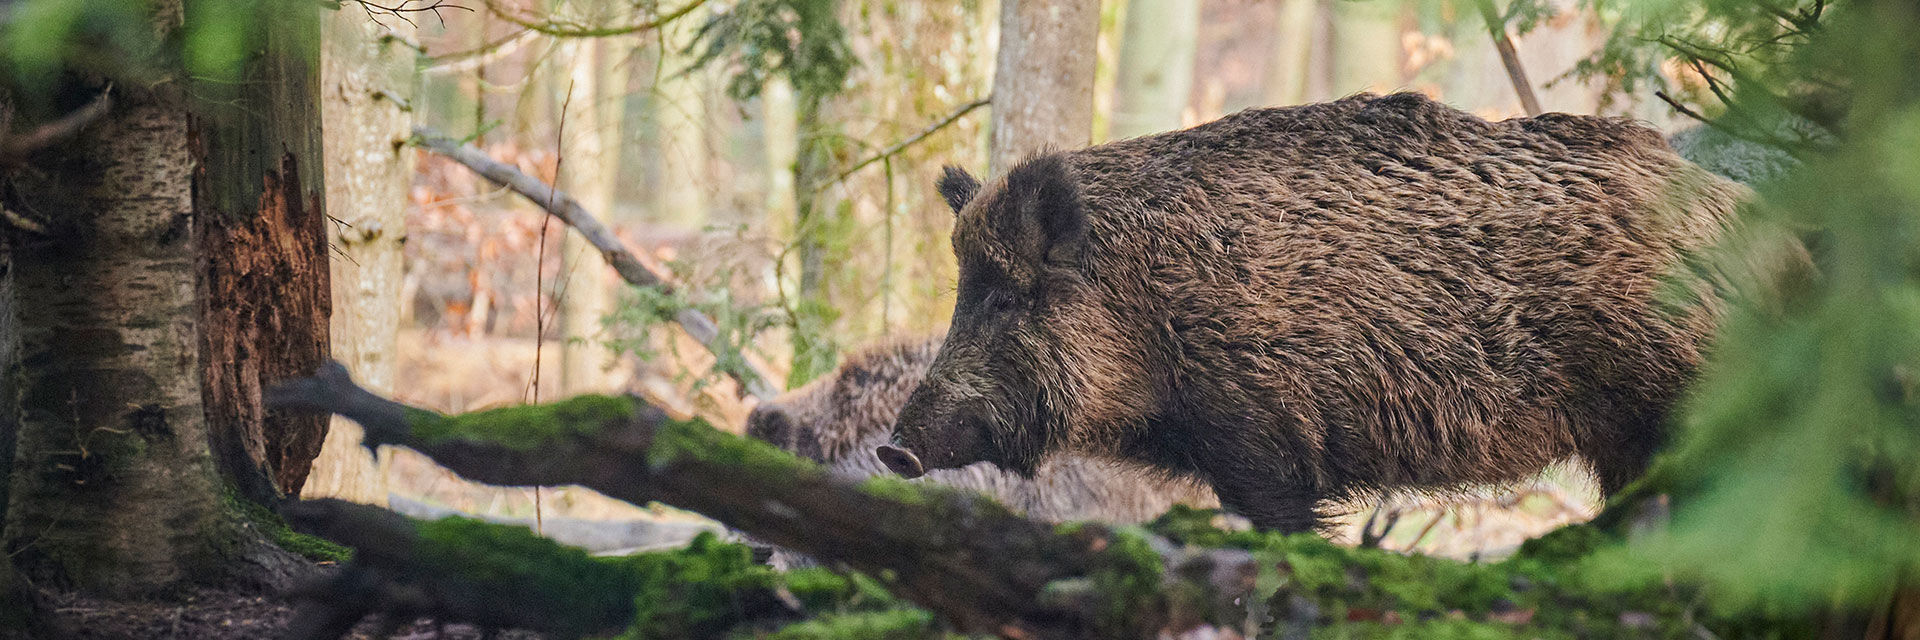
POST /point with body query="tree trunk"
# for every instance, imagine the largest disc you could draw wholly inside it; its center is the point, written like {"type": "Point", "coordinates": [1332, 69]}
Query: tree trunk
{"type": "Point", "coordinates": [261, 226]}
{"type": "Point", "coordinates": [368, 87]}
{"type": "Point", "coordinates": [1365, 48]}
{"type": "Point", "coordinates": [16, 603]}
{"type": "Point", "coordinates": [1043, 78]}
{"type": "Point", "coordinates": [590, 170]}
{"type": "Point", "coordinates": [113, 490]}
{"type": "Point", "coordinates": [814, 351]}
{"type": "Point", "coordinates": [1156, 66]}
{"type": "Point", "coordinates": [1286, 81]}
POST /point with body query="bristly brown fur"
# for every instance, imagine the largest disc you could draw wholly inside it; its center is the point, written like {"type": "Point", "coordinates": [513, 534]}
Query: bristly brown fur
{"type": "Point", "coordinates": [1303, 304]}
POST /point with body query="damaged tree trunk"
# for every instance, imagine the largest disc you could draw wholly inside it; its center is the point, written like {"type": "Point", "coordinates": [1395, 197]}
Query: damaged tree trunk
{"type": "Point", "coordinates": [262, 234]}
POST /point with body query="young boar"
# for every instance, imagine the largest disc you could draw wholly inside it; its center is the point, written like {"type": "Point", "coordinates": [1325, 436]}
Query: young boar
{"type": "Point", "coordinates": [839, 419]}
{"type": "Point", "coordinates": [1315, 303]}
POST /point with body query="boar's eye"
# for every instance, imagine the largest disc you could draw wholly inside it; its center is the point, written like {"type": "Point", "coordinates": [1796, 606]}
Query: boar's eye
{"type": "Point", "coordinates": [998, 302]}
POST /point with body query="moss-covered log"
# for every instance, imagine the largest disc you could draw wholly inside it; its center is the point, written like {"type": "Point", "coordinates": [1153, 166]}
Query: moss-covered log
{"type": "Point", "coordinates": [980, 569]}
{"type": "Point", "coordinates": [972, 562]}
{"type": "Point", "coordinates": [504, 576]}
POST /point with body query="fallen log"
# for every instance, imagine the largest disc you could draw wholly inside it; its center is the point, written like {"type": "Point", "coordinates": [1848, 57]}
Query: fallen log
{"type": "Point", "coordinates": [974, 565]}
{"type": "Point", "coordinates": [970, 561]}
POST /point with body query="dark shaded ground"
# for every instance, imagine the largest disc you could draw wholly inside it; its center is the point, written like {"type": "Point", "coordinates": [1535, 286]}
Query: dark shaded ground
{"type": "Point", "coordinates": [212, 614]}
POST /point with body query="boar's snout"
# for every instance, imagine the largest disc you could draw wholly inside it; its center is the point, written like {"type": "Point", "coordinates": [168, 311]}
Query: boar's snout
{"type": "Point", "coordinates": [901, 461]}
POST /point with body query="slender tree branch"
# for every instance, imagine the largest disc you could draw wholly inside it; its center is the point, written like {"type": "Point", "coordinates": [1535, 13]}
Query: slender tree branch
{"type": "Point", "coordinates": [560, 29]}
{"type": "Point", "coordinates": [459, 61]}
{"type": "Point", "coordinates": [752, 377]}
{"type": "Point", "coordinates": [1509, 56]}
{"type": "Point", "coordinates": [902, 145]}
{"type": "Point", "coordinates": [15, 149]}
{"type": "Point", "coordinates": [374, 9]}
{"type": "Point", "coordinates": [1737, 132]}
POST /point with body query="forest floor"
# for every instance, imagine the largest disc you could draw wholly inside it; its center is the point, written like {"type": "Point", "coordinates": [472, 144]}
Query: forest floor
{"type": "Point", "coordinates": [216, 614]}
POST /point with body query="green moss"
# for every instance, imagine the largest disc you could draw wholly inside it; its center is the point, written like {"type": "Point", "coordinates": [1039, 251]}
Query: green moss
{"type": "Point", "coordinates": [895, 489]}
{"type": "Point", "coordinates": [573, 591]}
{"type": "Point", "coordinates": [895, 624]}
{"type": "Point", "coordinates": [276, 531]}
{"type": "Point", "coordinates": [699, 591]}
{"type": "Point", "coordinates": [1547, 590]}
{"type": "Point", "coordinates": [679, 440]}
{"type": "Point", "coordinates": [526, 427]}
{"type": "Point", "coordinates": [1126, 574]}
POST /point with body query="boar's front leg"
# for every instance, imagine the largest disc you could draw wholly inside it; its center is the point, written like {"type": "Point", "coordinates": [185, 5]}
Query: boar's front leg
{"type": "Point", "coordinates": [1274, 505]}
{"type": "Point", "coordinates": [1271, 501]}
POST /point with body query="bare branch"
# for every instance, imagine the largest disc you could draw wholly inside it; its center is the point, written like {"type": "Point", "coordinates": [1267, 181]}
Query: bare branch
{"type": "Point", "coordinates": [902, 145]}
{"type": "Point", "coordinates": [470, 59]}
{"type": "Point", "coordinates": [375, 9]}
{"type": "Point", "coordinates": [1509, 56]}
{"type": "Point", "coordinates": [753, 378]}
{"type": "Point", "coordinates": [561, 29]}
{"type": "Point", "coordinates": [15, 149]}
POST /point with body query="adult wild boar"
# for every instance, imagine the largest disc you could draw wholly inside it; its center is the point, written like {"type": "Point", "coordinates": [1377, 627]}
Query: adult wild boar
{"type": "Point", "coordinates": [839, 419]}
{"type": "Point", "coordinates": [1306, 304]}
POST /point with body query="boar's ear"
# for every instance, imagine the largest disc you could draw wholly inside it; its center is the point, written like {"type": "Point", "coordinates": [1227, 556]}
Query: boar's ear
{"type": "Point", "coordinates": [1048, 215]}
{"type": "Point", "coordinates": [958, 187]}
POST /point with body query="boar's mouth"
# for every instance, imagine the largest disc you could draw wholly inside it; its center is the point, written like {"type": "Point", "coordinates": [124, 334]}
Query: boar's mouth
{"type": "Point", "coordinates": [901, 461]}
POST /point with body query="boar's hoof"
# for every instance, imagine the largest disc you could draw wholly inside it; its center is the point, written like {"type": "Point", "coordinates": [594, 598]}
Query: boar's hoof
{"type": "Point", "coordinates": [900, 460]}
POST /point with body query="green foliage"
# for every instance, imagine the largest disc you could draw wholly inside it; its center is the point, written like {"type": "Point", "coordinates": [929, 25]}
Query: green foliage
{"type": "Point", "coordinates": [526, 427]}
{"type": "Point", "coordinates": [1739, 53]}
{"type": "Point", "coordinates": [800, 40]}
{"type": "Point", "coordinates": [644, 310]}
{"type": "Point", "coordinates": [126, 42]}
{"type": "Point", "coordinates": [1793, 476]}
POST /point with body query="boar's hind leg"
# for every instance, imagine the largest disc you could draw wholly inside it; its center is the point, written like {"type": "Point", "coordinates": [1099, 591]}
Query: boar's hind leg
{"type": "Point", "coordinates": [1618, 461]}
{"type": "Point", "coordinates": [1274, 505]}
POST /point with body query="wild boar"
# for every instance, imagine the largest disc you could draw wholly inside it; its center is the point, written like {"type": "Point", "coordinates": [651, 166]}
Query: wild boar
{"type": "Point", "coordinates": [1311, 304]}
{"type": "Point", "coordinates": [839, 419]}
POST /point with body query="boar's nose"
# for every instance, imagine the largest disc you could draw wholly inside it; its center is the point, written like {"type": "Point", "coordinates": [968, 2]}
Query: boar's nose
{"type": "Point", "coordinates": [900, 460]}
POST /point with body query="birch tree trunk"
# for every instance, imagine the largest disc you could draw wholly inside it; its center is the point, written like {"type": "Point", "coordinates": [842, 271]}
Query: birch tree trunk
{"type": "Point", "coordinates": [113, 489]}
{"type": "Point", "coordinates": [368, 84]}
{"type": "Point", "coordinates": [1043, 78]}
{"type": "Point", "coordinates": [589, 171]}
{"type": "Point", "coordinates": [180, 270]}
{"type": "Point", "coordinates": [1156, 66]}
